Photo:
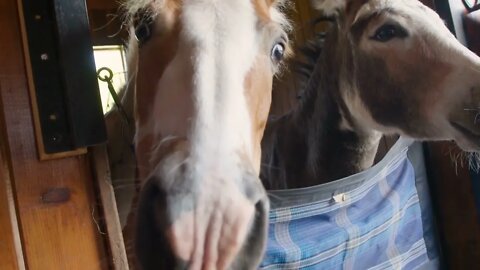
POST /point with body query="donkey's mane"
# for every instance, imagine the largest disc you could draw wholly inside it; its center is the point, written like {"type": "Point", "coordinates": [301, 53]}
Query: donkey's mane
{"type": "Point", "coordinates": [309, 56]}
{"type": "Point", "coordinates": [301, 130]}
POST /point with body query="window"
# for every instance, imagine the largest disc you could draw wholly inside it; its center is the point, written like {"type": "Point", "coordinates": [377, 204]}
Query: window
{"type": "Point", "coordinates": [112, 57]}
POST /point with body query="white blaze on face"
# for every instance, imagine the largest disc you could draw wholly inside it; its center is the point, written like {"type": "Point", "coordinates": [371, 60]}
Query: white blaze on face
{"type": "Point", "coordinates": [223, 35]}
{"type": "Point", "coordinates": [217, 46]}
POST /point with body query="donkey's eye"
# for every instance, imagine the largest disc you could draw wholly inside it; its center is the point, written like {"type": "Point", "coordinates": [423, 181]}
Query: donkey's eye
{"type": "Point", "coordinates": [387, 32]}
{"type": "Point", "coordinates": [278, 52]}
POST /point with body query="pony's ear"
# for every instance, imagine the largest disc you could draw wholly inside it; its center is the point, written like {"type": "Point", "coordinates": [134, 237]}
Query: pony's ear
{"type": "Point", "coordinates": [329, 7]}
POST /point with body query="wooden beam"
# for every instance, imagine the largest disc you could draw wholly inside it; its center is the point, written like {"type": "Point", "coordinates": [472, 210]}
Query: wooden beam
{"type": "Point", "coordinates": [110, 211]}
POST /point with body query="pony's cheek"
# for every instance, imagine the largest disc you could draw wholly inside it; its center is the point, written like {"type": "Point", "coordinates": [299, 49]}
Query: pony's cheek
{"type": "Point", "coordinates": [258, 95]}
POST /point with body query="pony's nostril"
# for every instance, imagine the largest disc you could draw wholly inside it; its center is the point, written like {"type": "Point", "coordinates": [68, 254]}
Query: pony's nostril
{"type": "Point", "coordinates": [223, 232]}
{"type": "Point", "coordinates": [151, 245]}
{"type": "Point", "coordinates": [254, 246]}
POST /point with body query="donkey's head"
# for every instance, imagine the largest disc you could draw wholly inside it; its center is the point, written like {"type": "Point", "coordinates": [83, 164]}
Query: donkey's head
{"type": "Point", "coordinates": [203, 90]}
{"type": "Point", "coordinates": [404, 72]}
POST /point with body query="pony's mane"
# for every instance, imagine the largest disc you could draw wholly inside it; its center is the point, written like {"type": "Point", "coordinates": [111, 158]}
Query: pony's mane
{"type": "Point", "coordinates": [132, 7]}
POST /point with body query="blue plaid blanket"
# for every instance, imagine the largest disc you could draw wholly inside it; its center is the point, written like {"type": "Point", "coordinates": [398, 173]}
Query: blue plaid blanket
{"type": "Point", "coordinates": [378, 219]}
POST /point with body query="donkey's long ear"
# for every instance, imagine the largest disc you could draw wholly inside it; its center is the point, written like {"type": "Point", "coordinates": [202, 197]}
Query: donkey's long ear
{"type": "Point", "coordinates": [329, 7]}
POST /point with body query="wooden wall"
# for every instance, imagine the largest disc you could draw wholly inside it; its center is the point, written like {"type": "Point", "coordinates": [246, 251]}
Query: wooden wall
{"type": "Point", "coordinates": [51, 212]}
{"type": "Point", "coordinates": [454, 206]}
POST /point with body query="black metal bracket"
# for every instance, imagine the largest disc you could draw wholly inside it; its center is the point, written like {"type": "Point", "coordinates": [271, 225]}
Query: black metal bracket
{"type": "Point", "coordinates": [66, 98]}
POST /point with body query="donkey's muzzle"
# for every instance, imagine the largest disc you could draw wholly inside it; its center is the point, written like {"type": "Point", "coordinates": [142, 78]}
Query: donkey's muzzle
{"type": "Point", "coordinates": [187, 227]}
{"type": "Point", "coordinates": [465, 120]}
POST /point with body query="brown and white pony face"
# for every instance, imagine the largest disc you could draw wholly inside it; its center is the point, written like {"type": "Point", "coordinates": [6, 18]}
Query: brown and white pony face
{"type": "Point", "coordinates": [406, 73]}
{"type": "Point", "coordinates": [203, 91]}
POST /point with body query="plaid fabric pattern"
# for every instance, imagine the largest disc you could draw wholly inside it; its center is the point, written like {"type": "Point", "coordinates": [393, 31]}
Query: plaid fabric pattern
{"type": "Point", "coordinates": [376, 224]}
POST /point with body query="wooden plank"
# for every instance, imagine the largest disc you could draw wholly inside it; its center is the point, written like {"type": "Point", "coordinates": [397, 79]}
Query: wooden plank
{"type": "Point", "coordinates": [11, 255]}
{"type": "Point", "coordinates": [454, 206]}
{"type": "Point", "coordinates": [110, 210]}
{"type": "Point", "coordinates": [54, 199]}
{"type": "Point", "coordinates": [8, 256]}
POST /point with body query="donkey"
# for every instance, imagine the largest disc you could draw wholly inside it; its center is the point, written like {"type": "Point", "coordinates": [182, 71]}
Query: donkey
{"type": "Point", "coordinates": [383, 67]}
{"type": "Point", "coordinates": [201, 78]}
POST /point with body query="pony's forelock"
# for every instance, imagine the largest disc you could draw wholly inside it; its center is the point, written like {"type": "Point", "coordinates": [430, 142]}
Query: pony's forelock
{"type": "Point", "coordinates": [329, 7]}
{"type": "Point", "coordinates": [133, 6]}
{"type": "Point", "coordinates": [278, 14]}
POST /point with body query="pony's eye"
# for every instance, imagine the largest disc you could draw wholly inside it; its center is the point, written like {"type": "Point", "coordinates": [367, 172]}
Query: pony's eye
{"type": "Point", "coordinates": [278, 52]}
{"type": "Point", "coordinates": [143, 31]}
{"type": "Point", "coordinates": [387, 32]}
{"type": "Point", "coordinates": [143, 22]}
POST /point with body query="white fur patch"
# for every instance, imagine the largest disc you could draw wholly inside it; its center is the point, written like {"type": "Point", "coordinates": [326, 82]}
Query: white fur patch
{"type": "Point", "coordinates": [224, 37]}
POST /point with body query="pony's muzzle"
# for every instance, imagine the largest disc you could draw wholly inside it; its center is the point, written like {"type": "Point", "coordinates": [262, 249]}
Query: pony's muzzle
{"type": "Point", "coordinates": [183, 227]}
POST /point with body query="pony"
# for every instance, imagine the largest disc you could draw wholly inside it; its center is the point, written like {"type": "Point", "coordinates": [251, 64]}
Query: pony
{"type": "Point", "coordinates": [384, 67]}
{"type": "Point", "coordinates": [199, 93]}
